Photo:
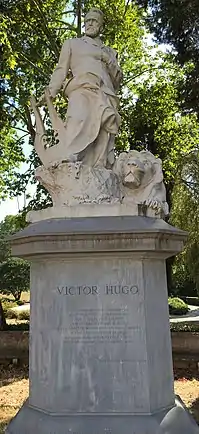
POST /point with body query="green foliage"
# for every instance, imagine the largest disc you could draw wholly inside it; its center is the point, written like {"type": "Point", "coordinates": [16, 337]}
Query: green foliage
{"type": "Point", "coordinates": [11, 156]}
{"type": "Point", "coordinates": [182, 282]}
{"type": "Point", "coordinates": [18, 315]}
{"type": "Point", "coordinates": [184, 327]}
{"type": "Point", "coordinates": [23, 326]}
{"type": "Point", "coordinates": [185, 214]}
{"type": "Point", "coordinates": [177, 306]}
{"type": "Point", "coordinates": [9, 226]}
{"type": "Point", "coordinates": [11, 314]}
{"type": "Point", "coordinates": [156, 122]}
{"type": "Point", "coordinates": [31, 37]}
{"type": "Point", "coordinates": [14, 277]}
{"type": "Point", "coordinates": [24, 315]}
{"type": "Point", "coordinates": [8, 304]}
{"type": "Point", "coordinates": [14, 273]}
{"type": "Point", "coordinates": [177, 22]}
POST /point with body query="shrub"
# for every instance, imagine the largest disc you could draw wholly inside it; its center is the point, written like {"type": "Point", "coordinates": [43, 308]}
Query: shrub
{"type": "Point", "coordinates": [11, 314]}
{"type": "Point", "coordinates": [184, 327]}
{"type": "Point", "coordinates": [7, 304]}
{"type": "Point", "coordinates": [177, 306]}
{"type": "Point", "coordinates": [23, 326]}
{"type": "Point", "coordinates": [24, 315]}
{"type": "Point", "coordinates": [20, 303]}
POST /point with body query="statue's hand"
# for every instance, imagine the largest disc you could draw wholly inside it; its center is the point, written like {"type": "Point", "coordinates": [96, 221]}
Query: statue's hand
{"type": "Point", "coordinates": [105, 58]}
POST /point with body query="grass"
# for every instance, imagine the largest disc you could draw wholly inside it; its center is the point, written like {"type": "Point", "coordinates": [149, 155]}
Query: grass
{"type": "Point", "coordinates": [14, 391]}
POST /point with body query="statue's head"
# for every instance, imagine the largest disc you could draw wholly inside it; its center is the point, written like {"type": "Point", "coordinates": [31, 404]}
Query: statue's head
{"type": "Point", "coordinates": [93, 22]}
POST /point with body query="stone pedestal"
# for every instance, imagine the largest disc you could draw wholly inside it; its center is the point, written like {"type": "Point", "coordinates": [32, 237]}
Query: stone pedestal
{"type": "Point", "coordinates": [100, 350]}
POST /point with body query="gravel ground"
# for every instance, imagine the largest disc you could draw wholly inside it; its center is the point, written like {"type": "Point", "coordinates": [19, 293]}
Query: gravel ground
{"type": "Point", "coordinates": [14, 391]}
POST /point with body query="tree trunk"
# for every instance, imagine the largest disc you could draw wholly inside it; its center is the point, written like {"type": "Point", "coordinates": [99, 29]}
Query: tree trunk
{"type": "Point", "coordinates": [16, 294]}
{"type": "Point", "coordinates": [79, 18]}
{"type": "Point", "coordinates": [2, 318]}
{"type": "Point", "coordinates": [169, 264]}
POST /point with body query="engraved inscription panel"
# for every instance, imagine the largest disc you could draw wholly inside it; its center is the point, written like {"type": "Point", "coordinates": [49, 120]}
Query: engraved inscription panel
{"type": "Point", "coordinates": [93, 325]}
{"type": "Point", "coordinates": [89, 330]}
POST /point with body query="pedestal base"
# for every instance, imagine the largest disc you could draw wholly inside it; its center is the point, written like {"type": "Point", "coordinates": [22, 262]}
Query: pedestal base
{"type": "Point", "coordinates": [174, 421]}
{"type": "Point", "coordinates": [100, 349]}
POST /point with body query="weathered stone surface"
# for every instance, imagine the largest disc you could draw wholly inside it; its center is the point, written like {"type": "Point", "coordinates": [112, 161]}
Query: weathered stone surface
{"type": "Point", "coordinates": [134, 187]}
{"type": "Point", "coordinates": [141, 237]}
{"type": "Point", "coordinates": [94, 330]}
{"type": "Point", "coordinates": [74, 184]}
{"type": "Point", "coordinates": [173, 421]}
{"type": "Point", "coordinates": [100, 360]}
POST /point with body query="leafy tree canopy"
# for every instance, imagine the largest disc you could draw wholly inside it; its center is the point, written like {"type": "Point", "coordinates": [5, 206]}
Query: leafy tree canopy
{"type": "Point", "coordinates": [14, 277]}
{"type": "Point", "coordinates": [185, 214]}
{"type": "Point", "coordinates": [177, 22]}
{"type": "Point", "coordinates": [32, 35]}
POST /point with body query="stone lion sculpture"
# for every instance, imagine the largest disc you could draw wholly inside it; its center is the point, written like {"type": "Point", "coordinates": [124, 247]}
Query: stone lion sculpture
{"type": "Point", "coordinates": [141, 180]}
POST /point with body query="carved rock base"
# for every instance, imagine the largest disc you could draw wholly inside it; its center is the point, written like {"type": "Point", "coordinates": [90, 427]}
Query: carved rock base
{"type": "Point", "coordinates": [78, 190]}
{"type": "Point", "coordinates": [74, 183]}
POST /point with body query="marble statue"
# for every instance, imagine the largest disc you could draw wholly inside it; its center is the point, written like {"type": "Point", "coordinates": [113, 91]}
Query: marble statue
{"type": "Point", "coordinates": [92, 120]}
{"type": "Point", "coordinates": [81, 171]}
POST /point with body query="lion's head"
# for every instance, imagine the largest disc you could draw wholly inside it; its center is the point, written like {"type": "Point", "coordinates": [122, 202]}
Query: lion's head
{"type": "Point", "coordinates": [138, 169]}
{"type": "Point", "coordinates": [141, 178]}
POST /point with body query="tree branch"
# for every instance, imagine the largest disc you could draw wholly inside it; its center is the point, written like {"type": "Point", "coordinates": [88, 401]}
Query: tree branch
{"type": "Point", "coordinates": [70, 26]}
{"type": "Point", "coordinates": [79, 18]}
{"type": "Point", "coordinates": [31, 63]}
{"type": "Point", "coordinates": [46, 28]}
{"type": "Point", "coordinates": [17, 109]}
{"type": "Point", "coordinates": [21, 129]}
{"type": "Point", "coordinates": [29, 123]}
{"type": "Point", "coordinates": [142, 72]}
{"type": "Point", "coordinates": [126, 8]}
